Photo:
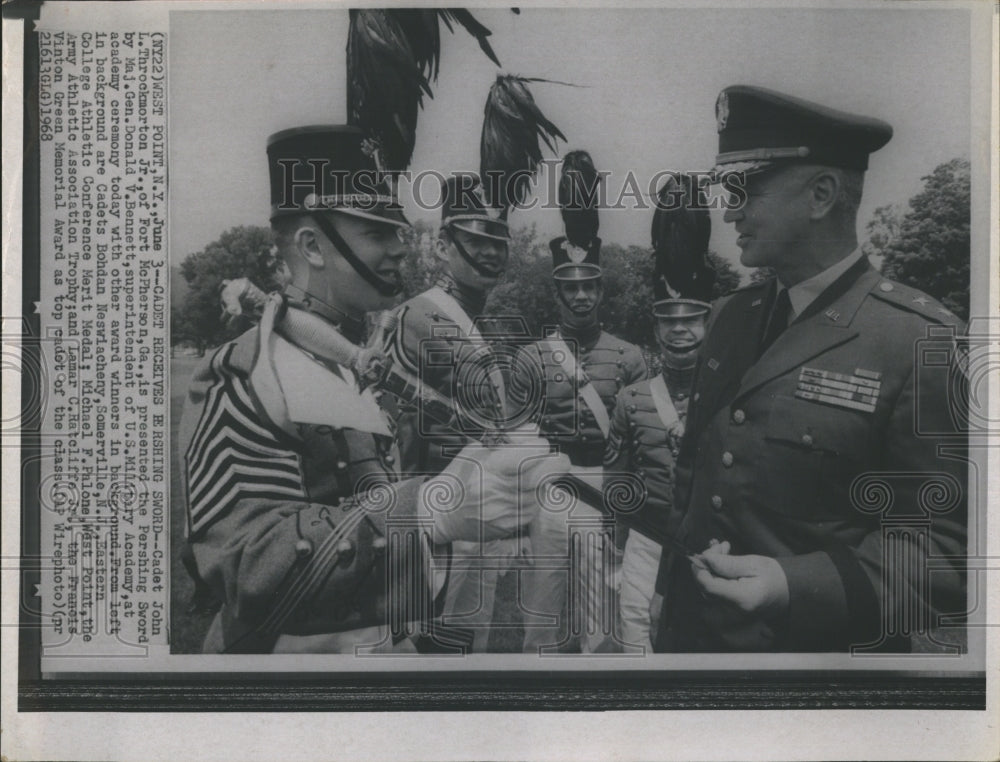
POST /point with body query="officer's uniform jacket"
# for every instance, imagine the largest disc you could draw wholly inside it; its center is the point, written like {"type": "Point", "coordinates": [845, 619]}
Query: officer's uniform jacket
{"type": "Point", "coordinates": [642, 445]}
{"type": "Point", "coordinates": [564, 418]}
{"type": "Point", "coordinates": [454, 360]}
{"type": "Point", "coordinates": [289, 521]}
{"type": "Point", "coordinates": [782, 459]}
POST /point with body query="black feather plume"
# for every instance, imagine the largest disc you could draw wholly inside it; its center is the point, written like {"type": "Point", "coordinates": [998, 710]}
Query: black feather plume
{"type": "Point", "coordinates": [680, 232]}
{"type": "Point", "coordinates": [578, 198]}
{"type": "Point", "coordinates": [422, 32]}
{"type": "Point", "coordinates": [473, 27]}
{"type": "Point", "coordinates": [509, 148]}
{"type": "Point", "coordinates": [386, 85]}
{"type": "Point", "coordinates": [392, 57]}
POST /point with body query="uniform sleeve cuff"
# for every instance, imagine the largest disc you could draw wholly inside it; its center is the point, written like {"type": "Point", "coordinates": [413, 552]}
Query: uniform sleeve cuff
{"type": "Point", "coordinates": [817, 604]}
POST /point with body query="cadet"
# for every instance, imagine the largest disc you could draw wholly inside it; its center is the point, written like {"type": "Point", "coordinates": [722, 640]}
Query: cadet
{"type": "Point", "coordinates": [579, 369]}
{"type": "Point", "coordinates": [804, 413]}
{"type": "Point", "coordinates": [648, 420]}
{"type": "Point", "coordinates": [442, 341]}
{"type": "Point", "coordinates": [291, 471]}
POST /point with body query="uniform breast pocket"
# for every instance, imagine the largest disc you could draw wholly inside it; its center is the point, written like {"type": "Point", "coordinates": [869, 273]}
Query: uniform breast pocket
{"type": "Point", "coordinates": [813, 452]}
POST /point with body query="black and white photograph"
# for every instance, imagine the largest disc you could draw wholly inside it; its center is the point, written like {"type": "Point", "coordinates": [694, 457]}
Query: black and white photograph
{"type": "Point", "coordinates": [548, 360]}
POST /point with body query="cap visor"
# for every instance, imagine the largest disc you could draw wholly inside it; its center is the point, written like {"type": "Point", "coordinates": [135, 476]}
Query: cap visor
{"type": "Point", "coordinates": [576, 272]}
{"type": "Point", "coordinates": [680, 308]}
{"type": "Point", "coordinates": [388, 215]}
{"type": "Point", "coordinates": [495, 230]}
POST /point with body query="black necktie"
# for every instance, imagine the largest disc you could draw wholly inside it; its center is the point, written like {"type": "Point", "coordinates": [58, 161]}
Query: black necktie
{"type": "Point", "coordinates": [778, 321]}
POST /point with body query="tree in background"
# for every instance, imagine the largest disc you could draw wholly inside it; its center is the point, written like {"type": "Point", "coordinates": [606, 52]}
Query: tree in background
{"type": "Point", "coordinates": [525, 291]}
{"type": "Point", "coordinates": [243, 251]}
{"type": "Point", "coordinates": [882, 230]}
{"type": "Point", "coordinates": [932, 248]}
{"type": "Point", "coordinates": [761, 274]}
{"type": "Point", "coordinates": [421, 266]}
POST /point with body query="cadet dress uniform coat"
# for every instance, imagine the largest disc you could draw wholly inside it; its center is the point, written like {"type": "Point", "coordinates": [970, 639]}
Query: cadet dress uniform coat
{"type": "Point", "coordinates": [288, 507]}
{"type": "Point", "coordinates": [646, 429]}
{"type": "Point", "coordinates": [564, 418]}
{"type": "Point", "coordinates": [442, 344]}
{"type": "Point", "coordinates": [815, 454]}
{"type": "Point", "coordinates": [642, 444]}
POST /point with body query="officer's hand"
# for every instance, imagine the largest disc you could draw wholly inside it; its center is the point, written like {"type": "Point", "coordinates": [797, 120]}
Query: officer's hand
{"type": "Point", "coordinates": [755, 584]}
{"type": "Point", "coordinates": [486, 494]}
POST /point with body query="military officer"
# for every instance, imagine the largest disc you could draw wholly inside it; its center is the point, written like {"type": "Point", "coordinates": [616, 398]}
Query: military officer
{"type": "Point", "coordinates": [579, 368]}
{"type": "Point", "coordinates": [803, 413]}
{"type": "Point", "coordinates": [297, 518]}
{"type": "Point", "coordinates": [441, 337]}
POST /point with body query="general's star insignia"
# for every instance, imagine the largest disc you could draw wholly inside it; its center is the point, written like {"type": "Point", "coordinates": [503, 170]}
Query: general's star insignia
{"type": "Point", "coordinates": [921, 300]}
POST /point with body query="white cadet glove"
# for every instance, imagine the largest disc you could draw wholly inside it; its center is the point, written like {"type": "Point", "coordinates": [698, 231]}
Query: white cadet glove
{"type": "Point", "coordinates": [486, 494]}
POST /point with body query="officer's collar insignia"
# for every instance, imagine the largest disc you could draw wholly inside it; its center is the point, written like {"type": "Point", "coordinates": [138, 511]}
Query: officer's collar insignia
{"type": "Point", "coordinates": [575, 253]}
{"type": "Point", "coordinates": [859, 391]}
{"type": "Point", "coordinates": [757, 302]}
{"type": "Point", "coordinates": [722, 111]}
{"type": "Point", "coordinates": [833, 315]}
{"type": "Point", "coordinates": [713, 364]}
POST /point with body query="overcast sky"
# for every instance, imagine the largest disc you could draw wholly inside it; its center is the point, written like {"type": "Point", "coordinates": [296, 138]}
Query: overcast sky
{"type": "Point", "coordinates": [649, 81]}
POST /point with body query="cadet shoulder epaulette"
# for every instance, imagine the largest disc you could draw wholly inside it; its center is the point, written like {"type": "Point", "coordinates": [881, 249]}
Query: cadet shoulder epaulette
{"type": "Point", "coordinates": [913, 300]}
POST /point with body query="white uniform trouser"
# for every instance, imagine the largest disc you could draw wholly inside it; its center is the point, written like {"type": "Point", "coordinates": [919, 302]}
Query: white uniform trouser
{"type": "Point", "coordinates": [640, 565]}
{"type": "Point", "coordinates": [472, 586]}
{"type": "Point", "coordinates": [570, 592]}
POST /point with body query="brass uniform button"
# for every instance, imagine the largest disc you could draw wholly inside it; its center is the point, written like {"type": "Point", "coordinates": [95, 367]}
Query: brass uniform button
{"type": "Point", "coordinates": [727, 459]}
{"type": "Point", "coordinates": [807, 440]}
{"type": "Point", "coordinates": [303, 548]}
{"type": "Point", "coordinates": [738, 416]}
{"type": "Point", "coordinates": [717, 502]}
{"type": "Point", "coordinates": [345, 549]}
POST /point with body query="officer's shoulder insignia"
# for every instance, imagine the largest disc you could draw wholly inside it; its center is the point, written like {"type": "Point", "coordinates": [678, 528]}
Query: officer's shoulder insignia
{"type": "Point", "coordinates": [913, 300]}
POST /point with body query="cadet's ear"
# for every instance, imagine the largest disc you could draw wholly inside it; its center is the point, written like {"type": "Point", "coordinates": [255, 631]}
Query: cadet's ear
{"type": "Point", "coordinates": [824, 189]}
{"type": "Point", "coordinates": [308, 246]}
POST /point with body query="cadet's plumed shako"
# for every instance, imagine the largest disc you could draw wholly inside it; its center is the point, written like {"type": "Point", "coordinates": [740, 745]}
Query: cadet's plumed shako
{"type": "Point", "coordinates": [758, 127]}
{"type": "Point", "coordinates": [683, 276]}
{"type": "Point", "coordinates": [464, 207]}
{"type": "Point", "coordinates": [329, 167]}
{"type": "Point", "coordinates": [571, 262]}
